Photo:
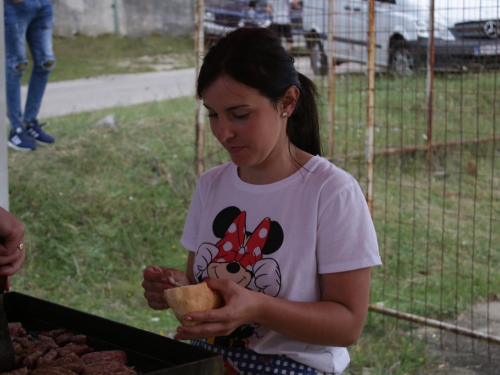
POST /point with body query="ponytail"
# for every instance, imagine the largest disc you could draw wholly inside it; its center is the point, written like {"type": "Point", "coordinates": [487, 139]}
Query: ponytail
{"type": "Point", "coordinates": [303, 126]}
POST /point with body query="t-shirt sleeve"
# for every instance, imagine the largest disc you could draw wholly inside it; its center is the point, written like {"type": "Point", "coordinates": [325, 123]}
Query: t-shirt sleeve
{"type": "Point", "coordinates": [192, 224]}
{"type": "Point", "coordinates": [346, 234]}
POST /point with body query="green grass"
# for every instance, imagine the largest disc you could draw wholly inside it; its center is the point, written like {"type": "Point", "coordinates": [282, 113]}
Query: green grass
{"type": "Point", "coordinates": [82, 57]}
{"type": "Point", "coordinates": [100, 205]}
{"type": "Point", "coordinates": [437, 234]}
{"type": "Point", "coordinates": [465, 107]}
{"type": "Point", "coordinates": [388, 350]}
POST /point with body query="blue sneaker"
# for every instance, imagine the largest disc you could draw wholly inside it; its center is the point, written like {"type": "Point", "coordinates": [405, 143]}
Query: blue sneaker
{"type": "Point", "coordinates": [34, 130]}
{"type": "Point", "coordinates": [19, 140]}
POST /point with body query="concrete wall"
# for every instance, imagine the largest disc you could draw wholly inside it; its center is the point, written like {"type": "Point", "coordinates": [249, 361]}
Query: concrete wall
{"type": "Point", "coordinates": [130, 17]}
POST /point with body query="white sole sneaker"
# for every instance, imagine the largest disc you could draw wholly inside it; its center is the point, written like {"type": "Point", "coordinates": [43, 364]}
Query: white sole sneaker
{"type": "Point", "coordinates": [14, 147]}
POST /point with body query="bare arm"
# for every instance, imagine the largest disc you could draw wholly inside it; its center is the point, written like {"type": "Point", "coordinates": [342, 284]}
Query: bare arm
{"type": "Point", "coordinates": [337, 320]}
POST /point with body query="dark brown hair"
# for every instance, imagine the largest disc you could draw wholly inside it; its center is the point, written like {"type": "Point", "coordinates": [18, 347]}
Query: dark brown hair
{"type": "Point", "coordinates": [256, 58]}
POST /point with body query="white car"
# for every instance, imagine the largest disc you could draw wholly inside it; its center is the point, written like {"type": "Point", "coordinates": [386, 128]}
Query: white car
{"type": "Point", "coordinates": [466, 33]}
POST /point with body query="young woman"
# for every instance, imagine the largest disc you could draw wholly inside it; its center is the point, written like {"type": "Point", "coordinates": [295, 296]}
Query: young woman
{"type": "Point", "coordinates": [283, 234]}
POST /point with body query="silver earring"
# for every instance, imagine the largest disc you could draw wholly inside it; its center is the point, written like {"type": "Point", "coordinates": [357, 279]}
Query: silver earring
{"type": "Point", "coordinates": [284, 114]}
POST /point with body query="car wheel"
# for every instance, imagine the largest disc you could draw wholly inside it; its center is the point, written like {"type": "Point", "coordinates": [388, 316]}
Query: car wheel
{"type": "Point", "coordinates": [319, 61]}
{"type": "Point", "coordinates": [401, 61]}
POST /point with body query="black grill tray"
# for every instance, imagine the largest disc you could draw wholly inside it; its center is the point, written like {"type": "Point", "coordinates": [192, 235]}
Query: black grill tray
{"type": "Point", "coordinates": [149, 353]}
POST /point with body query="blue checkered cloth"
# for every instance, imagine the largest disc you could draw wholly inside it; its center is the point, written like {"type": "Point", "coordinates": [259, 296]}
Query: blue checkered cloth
{"type": "Point", "coordinates": [247, 362]}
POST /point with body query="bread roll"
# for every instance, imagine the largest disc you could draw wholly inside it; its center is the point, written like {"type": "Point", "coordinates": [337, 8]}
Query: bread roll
{"type": "Point", "coordinates": [191, 298]}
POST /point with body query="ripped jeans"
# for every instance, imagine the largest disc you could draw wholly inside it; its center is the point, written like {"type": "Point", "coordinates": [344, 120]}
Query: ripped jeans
{"type": "Point", "coordinates": [31, 21]}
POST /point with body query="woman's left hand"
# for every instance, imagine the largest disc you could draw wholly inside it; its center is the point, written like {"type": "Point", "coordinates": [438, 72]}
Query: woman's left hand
{"type": "Point", "coordinates": [238, 309]}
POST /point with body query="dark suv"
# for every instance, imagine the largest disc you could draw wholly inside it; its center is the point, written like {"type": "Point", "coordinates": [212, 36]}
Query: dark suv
{"type": "Point", "coordinates": [223, 16]}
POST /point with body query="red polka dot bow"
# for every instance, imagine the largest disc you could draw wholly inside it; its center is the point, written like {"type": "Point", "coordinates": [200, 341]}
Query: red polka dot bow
{"type": "Point", "coordinates": [238, 246]}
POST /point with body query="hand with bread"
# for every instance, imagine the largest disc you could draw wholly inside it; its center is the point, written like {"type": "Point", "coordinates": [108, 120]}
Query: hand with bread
{"type": "Point", "coordinates": [185, 300]}
{"type": "Point", "coordinates": [157, 279]}
{"type": "Point", "coordinates": [12, 248]}
{"type": "Point", "coordinates": [336, 320]}
{"type": "Point", "coordinates": [239, 305]}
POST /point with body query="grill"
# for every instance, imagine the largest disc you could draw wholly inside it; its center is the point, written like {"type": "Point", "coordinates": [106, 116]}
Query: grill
{"type": "Point", "coordinates": [476, 30]}
{"type": "Point", "coordinates": [149, 353]}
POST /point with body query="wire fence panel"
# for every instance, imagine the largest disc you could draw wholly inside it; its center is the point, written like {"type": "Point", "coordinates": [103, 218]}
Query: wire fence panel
{"type": "Point", "coordinates": [430, 145]}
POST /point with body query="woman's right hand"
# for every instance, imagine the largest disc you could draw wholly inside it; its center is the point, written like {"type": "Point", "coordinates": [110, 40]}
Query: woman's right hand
{"type": "Point", "coordinates": [156, 280]}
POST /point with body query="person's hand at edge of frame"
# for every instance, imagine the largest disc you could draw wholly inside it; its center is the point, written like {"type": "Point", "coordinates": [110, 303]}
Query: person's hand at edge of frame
{"type": "Point", "coordinates": [12, 247]}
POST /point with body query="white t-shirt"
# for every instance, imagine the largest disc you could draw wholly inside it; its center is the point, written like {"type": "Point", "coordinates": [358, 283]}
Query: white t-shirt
{"type": "Point", "coordinates": [281, 11]}
{"type": "Point", "coordinates": [276, 239]}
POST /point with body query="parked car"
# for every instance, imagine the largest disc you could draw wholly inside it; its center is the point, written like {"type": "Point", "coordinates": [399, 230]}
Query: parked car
{"type": "Point", "coordinates": [466, 33]}
{"type": "Point", "coordinates": [223, 16]}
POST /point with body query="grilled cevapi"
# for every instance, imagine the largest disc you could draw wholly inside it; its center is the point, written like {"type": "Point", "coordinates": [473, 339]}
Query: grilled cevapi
{"type": "Point", "coordinates": [61, 352]}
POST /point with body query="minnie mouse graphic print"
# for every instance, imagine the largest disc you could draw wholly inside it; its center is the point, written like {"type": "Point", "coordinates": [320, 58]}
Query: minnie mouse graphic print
{"type": "Point", "coordinates": [240, 247]}
{"type": "Point", "coordinates": [241, 255]}
{"type": "Point", "coordinates": [276, 239]}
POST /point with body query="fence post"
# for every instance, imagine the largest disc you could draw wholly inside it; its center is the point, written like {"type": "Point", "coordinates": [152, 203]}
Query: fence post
{"type": "Point", "coordinates": [4, 168]}
{"type": "Point", "coordinates": [199, 51]}
{"type": "Point", "coordinates": [331, 76]}
{"type": "Point", "coordinates": [430, 81]}
{"type": "Point", "coordinates": [116, 19]}
{"type": "Point", "coordinates": [370, 105]}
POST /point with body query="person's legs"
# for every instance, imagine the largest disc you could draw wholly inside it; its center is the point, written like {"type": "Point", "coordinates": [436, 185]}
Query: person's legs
{"type": "Point", "coordinates": [17, 16]}
{"type": "Point", "coordinates": [276, 29]}
{"type": "Point", "coordinates": [287, 33]}
{"type": "Point", "coordinates": [39, 36]}
{"type": "Point", "coordinates": [283, 31]}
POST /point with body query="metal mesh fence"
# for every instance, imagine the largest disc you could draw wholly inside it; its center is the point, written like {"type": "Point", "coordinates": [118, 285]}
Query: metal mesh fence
{"type": "Point", "coordinates": [427, 152]}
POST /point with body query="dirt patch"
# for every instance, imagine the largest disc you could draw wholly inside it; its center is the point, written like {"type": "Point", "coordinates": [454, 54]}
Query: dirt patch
{"type": "Point", "coordinates": [462, 355]}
